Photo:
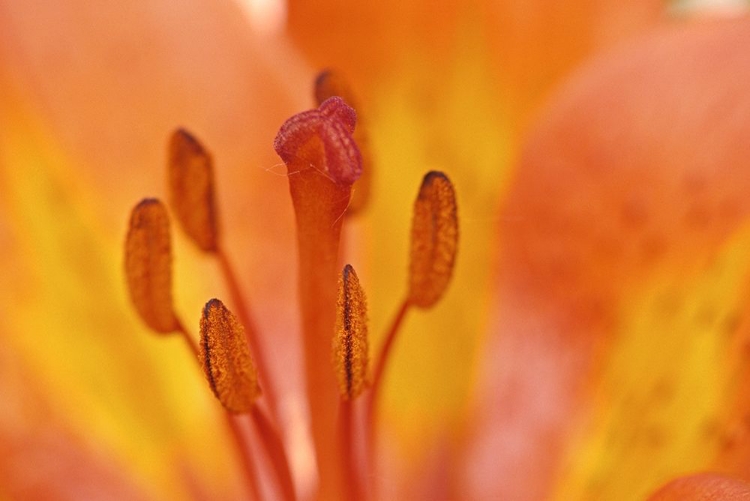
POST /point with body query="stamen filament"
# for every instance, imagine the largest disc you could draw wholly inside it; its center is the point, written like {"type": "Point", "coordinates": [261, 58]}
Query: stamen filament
{"type": "Point", "coordinates": [251, 332]}
{"type": "Point", "coordinates": [352, 483]}
{"type": "Point", "coordinates": [377, 378]}
{"type": "Point", "coordinates": [382, 359]}
{"type": "Point", "coordinates": [188, 339]}
{"type": "Point", "coordinates": [276, 453]}
{"type": "Point", "coordinates": [242, 446]}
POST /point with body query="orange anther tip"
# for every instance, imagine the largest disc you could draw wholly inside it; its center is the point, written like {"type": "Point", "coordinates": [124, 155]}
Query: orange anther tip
{"type": "Point", "coordinates": [226, 358]}
{"type": "Point", "coordinates": [434, 240]}
{"type": "Point", "coordinates": [148, 265]}
{"type": "Point", "coordinates": [191, 186]}
{"type": "Point", "coordinates": [350, 339]}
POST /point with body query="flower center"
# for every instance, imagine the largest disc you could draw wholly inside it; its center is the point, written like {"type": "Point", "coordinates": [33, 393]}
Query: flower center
{"type": "Point", "coordinates": [325, 154]}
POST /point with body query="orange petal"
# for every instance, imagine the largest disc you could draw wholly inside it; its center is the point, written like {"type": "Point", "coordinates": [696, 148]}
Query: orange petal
{"type": "Point", "coordinates": [537, 43]}
{"type": "Point", "coordinates": [88, 95]}
{"type": "Point", "coordinates": [703, 487]}
{"type": "Point", "coordinates": [532, 43]}
{"type": "Point", "coordinates": [43, 458]}
{"type": "Point", "coordinates": [621, 304]}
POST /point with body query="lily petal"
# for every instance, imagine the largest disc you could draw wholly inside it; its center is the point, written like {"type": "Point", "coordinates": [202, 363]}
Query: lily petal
{"type": "Point", "coordinates": [90, 94]}
{"type": "Point", "coordinates": [703, 487]}
{"type": "Point", "coordinates": [448, 87]}
{"type": "Point", "coordinates": [622, 287]}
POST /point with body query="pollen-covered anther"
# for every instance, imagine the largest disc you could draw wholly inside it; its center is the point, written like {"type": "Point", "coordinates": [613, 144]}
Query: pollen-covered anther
{"type": "Point", "coordinates": [148, 265]}
{"type": "Point", "coordinates": [330, 83]}
{"type": "Point", "coordinates": [434, 240]}
{"type": "Point", "coordinates": [350, 339]}
{"type": "Point", "coordinates": [191, 187]}
{"type": "Point", "coordinates": [226, 358]}
{"type": "Point", "coordinates": [322, 139]}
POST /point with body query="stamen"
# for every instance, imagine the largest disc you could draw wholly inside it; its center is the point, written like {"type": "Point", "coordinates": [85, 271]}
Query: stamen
{"type": "Point", "coordinates": [322, 161]}
{"type": "Point", "coordinates": [148, 265]}
{"type": "Point", "coordinates": [350, 339]}
{"type": "Point", "coordinates": [350, 360]}
{"type": "Point", "coordinates": [191, 183]}
{"type": "Point", "coordinates": [330, 83]}
{"type": "Point", "coordinates": [434, 240]}
{"type": "Point", "coordinates": [191, 186]}
{"type": "Point", "coordinates": [226, 358]}
{"type": "Point", "coordinates": [241, 441]}
{"type": "Point", "coordinates": [231, 374]}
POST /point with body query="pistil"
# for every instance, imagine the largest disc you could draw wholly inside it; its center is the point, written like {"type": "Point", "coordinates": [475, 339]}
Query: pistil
{"type": "Point", "coordinates": [323, 161]}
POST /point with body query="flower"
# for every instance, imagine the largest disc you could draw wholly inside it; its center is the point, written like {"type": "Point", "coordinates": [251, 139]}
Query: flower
{"type": "Point", "coordinates": [89, 95]}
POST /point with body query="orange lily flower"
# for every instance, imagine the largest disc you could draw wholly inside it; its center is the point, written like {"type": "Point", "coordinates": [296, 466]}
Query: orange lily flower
{"type": "Point", "coordinates": [546, 405]}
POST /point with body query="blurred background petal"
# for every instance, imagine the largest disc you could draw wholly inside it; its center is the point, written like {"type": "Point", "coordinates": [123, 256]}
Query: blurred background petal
{"type": "Point", "coordinates": [448, 86]}
{"type": "Point", "coordinates": [703, 487]}
{"type": "Point", "coordinates": [620, 357]}
{"type": "Point", "coordinates": [90, 94]}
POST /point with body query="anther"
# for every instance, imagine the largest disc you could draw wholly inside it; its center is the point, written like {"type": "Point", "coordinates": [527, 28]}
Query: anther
{"type": "Point", "coordinates": [148, 265]}
{"type": "Point", "coordinates": [226, 358]}
{"type": "Point", "coordinates": [191, 186]}
{"type": "Point", "coordinates": [434, 240]}
{"type": "Point", "coordinates": [330, 83]}
{"type": "Point", "coordinates": [350, 339]}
